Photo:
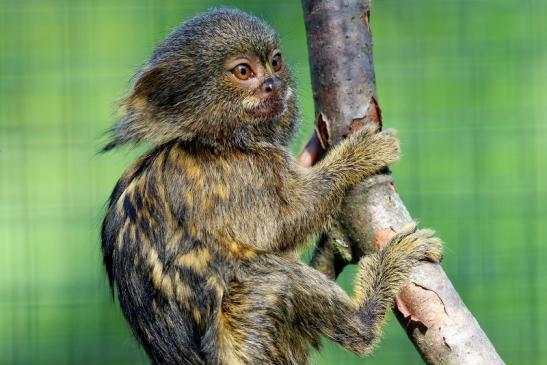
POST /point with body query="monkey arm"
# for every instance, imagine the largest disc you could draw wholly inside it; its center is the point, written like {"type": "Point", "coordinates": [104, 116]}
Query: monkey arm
{"type": "Point", "coordinates": [304, 200]}
{"type": "Point", "coordinates": [315, 193]}
{"type": "Point", "coordinates": [272, 204]}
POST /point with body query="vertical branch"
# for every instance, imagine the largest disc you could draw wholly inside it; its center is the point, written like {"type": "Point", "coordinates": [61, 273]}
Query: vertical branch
{"type": "Point", "coordinates": [344, 88]}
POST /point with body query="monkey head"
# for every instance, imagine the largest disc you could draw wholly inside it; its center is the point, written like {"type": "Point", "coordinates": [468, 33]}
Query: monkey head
{"type": "Point", "coordinates": [218, 80]}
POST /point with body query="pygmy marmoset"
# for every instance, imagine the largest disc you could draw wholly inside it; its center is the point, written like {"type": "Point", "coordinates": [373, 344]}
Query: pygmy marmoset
{"type": "Point", "coordinates": [202, 233]}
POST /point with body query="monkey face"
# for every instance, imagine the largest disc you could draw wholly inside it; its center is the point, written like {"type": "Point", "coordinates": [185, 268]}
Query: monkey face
{"type": "Point", "coordinates": [260, 84]}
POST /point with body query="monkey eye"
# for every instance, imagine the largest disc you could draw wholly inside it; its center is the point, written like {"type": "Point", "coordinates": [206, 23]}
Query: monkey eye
{"type": "Point", "coordinates": [277, 62]}
{"type": "Point", "coordinates": [242, 71]}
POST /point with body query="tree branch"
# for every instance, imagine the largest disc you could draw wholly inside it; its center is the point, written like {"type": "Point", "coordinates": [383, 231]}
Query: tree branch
{"type": "Point", "coordinates": [343, 80]}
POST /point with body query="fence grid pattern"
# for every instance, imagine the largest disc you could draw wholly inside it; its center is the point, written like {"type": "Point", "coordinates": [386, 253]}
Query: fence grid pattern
{"type": "Point", "coordinates": [463, 81]}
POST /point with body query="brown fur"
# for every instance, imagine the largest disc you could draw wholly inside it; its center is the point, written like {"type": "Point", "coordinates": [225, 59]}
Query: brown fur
{"type": "Point", "coordinates": [202, 232]}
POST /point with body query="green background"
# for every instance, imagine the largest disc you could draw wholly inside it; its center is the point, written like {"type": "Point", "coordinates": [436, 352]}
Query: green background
{"type": "Point", "coordinates": [463, 81]}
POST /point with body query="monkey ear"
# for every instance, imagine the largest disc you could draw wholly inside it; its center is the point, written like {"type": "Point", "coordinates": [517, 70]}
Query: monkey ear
{"type": "Point", "coordinates": [149, 80]}
{"type": "Point", "coordinates": [134, 124]}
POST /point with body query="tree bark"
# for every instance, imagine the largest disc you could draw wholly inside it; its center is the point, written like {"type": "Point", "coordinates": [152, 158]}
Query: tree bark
{"type": "Point", "coordinates": [344, 88]}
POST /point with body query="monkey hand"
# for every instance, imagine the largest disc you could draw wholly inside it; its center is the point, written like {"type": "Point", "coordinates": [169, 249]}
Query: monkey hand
{"type": "Point", "coordinates": [368, 151]}
{"type": "Point", "coordinates": [379, 146]}
{"type": "Point", "coordinates": [411, 245]}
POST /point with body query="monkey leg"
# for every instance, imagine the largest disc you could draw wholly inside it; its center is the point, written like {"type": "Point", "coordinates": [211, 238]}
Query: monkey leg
{"type": "Point", "coordinates": [260, 314]}
{"type": "Point", "coordinates": [277, 306]}
{"type": "Point", "coordinates": [358, 326]}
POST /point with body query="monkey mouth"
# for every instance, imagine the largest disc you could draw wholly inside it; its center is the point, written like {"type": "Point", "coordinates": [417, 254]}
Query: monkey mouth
{"type": "Point", "coordinates": [268, 109]}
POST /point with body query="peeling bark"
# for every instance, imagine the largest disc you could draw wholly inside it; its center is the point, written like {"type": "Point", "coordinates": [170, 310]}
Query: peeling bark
{"type": "Point", "coordinates": [343, 80]}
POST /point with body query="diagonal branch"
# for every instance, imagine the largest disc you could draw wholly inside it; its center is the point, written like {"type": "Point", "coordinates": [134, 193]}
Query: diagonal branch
{"type": "Point", "coordinates": [429, 308]}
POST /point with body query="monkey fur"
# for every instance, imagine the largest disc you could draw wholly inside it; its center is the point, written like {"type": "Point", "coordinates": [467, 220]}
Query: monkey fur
{"type": "Point", "coordinates": [201, 236]}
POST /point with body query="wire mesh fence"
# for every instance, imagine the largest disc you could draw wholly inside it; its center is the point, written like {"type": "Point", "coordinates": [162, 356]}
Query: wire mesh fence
{"type": "Point", "coordinates": [463, 81]}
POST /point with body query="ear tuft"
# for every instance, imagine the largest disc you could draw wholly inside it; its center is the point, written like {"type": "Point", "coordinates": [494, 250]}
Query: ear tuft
{"type": "Point", "coordinates": [134, 124]}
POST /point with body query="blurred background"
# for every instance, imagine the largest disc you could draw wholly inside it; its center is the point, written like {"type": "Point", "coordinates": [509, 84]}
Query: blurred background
{"type": "Point", "coordinates": [463, 81]}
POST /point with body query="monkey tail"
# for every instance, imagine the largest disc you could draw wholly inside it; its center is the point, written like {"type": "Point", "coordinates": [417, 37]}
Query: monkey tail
{"type": "Point", "coordinates": [171, 333]}
{"type": "Point", "coordinates": [168, 331]}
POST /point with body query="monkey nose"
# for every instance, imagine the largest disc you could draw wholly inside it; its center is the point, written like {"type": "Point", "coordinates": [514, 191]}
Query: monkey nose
{"type": "Point", "coordinates": [268, 85]}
